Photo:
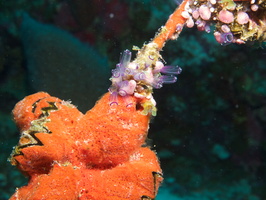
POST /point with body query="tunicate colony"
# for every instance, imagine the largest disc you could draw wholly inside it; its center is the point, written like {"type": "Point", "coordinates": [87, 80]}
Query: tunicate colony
{"type": "Point", "coordinates": [140, 76]}
{"type": "Point", "coordinates": [235, 21]}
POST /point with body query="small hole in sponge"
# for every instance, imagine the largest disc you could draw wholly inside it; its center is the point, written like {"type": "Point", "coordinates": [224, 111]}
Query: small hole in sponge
{"type": "Point", "coordinates": [139, 107]}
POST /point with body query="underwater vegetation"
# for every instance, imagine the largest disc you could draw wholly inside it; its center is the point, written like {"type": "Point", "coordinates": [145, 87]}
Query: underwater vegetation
{"type": "Point", "coordinates": [209, 130]}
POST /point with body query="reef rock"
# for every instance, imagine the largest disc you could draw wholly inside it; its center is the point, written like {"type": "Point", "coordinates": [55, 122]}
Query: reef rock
{"type": "Point", "coordinates": [62, 65]}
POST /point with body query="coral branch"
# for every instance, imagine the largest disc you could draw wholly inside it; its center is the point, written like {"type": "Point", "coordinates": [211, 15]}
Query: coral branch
{"type": "Point", "coordinates": [173, 26]}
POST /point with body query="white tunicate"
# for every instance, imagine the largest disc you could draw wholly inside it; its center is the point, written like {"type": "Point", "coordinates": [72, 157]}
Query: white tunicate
{"type": "Point", "coordinates": [190, 22]}
{"type": "Point", "coordinates": [226, 16]}
{"type": "Point", "coordinates": [254, 7]}
{"type": "Point", "coordinates": [213, 2]}
{"type": "Point", "coordinates": [242, 17]}
{"type": "Point", "coordinates": [195, 14]}
{"type": "Point", "coordinates": [225, 28]}
{"type": "Point", "coordinates": [204, 12]}
{"type": "Point", "coordinates": [158, 66]}
{"type": "Point", "coordinates": [185, 14]}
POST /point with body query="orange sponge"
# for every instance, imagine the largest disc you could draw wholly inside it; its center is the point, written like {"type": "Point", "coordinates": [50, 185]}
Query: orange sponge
{"type": "Point", "coordinates": [99, 155]}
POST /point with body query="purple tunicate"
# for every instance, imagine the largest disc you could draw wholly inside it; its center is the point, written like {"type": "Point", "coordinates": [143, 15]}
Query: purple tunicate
{"type": "Point", "coordinates": [112, 88]}
{"type": "Point", "coordinates": [115, 73]}
{"type": "Point", "coordinates": [171, 70]}
{"type": "Point", "coordinates": [179, 70]}
{"type": "Point", "coordinates": [160, 80]}
{"type": "Point", "coordinates": [151, 57]}
{"type": "Point", "coordinates": [157, 84]}
{"type": "Point", "coordinates": [140, 76]}
{"type": "Point", "coordinates": [179, 28]}
{"type": "Point", "coordinates": [128, 71]}
{"type": "Point", "coordinates": [201, 26]}
{"type": "Point", "coordinates": [198, 22]}
{"type": "Point", "coordinates": [122, 84]}
{"type": "Point", "coordinates": [168, 79]}
{"type": "Point", "coordinates": [207, 28]}
{"type": "Point", "coordinates": [125, 58]}
{"type": "Point", "coordinates": [122, 92]}
{"type": "Point", "coordinates": [147, 65]}
{"type": "Point", "coordinates": [127, 87]}
{"type": "Point", "coordinates": [226, 38]}
{"type": "Point", "coordinates": [113, 98]}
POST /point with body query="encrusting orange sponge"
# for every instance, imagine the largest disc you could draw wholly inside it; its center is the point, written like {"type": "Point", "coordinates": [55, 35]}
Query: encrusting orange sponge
{"type": "Point", "coordinates": [99, 155]}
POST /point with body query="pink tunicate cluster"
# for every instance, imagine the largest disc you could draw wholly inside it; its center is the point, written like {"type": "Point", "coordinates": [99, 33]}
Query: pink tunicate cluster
{"type": "Point", "coordinates": [235, 21]}
{"type": "Point", "coordinates": [128, 78]}
{"type": "Point", "coordinates": [199, 16]}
